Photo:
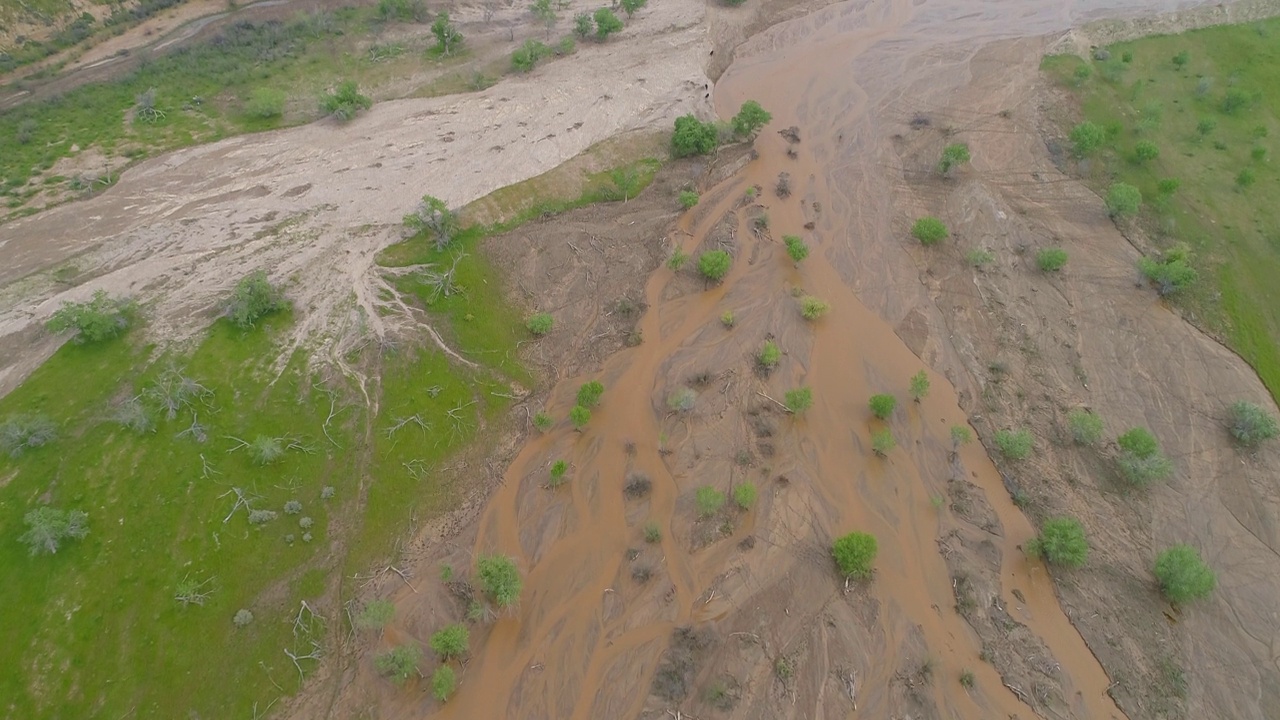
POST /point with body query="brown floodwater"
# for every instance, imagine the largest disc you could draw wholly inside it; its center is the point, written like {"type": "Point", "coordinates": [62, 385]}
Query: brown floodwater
{"type": "Point", "coordinates": [585, 640]}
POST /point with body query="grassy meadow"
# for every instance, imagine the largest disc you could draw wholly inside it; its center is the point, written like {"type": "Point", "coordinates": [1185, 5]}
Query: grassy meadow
{"type": "Point", "coordinates": [1208, 102]}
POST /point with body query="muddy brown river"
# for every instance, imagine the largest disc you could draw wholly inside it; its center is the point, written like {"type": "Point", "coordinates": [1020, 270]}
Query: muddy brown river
{"type": "Point", "coordinates": [583, 644]}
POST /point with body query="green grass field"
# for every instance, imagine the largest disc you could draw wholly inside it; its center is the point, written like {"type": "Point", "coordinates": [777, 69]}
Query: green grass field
{"type": "Point", "coordinates": [1208, 100]}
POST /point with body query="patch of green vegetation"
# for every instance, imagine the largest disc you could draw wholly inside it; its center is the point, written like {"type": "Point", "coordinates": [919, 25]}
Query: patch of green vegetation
{"type": "Point", "coordinates": [1221, 87]}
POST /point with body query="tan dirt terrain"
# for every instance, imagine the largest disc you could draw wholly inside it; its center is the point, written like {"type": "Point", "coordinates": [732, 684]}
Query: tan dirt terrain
{"type": "Point", "coordinates": [740, 614]}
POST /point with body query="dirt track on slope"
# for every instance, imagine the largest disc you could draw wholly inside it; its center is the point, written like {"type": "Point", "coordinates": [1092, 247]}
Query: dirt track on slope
{"type": "Point", "coordinates": [600, 630]}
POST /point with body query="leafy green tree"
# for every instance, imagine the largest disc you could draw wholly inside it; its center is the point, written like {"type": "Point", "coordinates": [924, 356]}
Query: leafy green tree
{"type": "Point", "coordinates": [929, 230]}
{"type": "Point", "coordinates": [447, 35]}
{"type": "Point", "coordinates": [796, 247]}
{"type": "Point", "coordinates": [854, 554]}
{"type": "Point", "coordinates": [1014, 444]}
{"type": "Point", "coordinates": [744, 496]}
{"type": "Point", "coordinates": [1250, 424]}
{"type": "Point", "coordinates": [1051, 259]}
{"type": "Point", "coordinates": [1086, 138]}
{"type": "Point", "coordinates": [583, 25]}
{"type": "Point", "coordinates": [693, 137]}
{"type": "Point", "coordinates": [399, 663]}
{"type": "Point", "coordinates": [252, 299]}
{"type": "Point", "coordinates": [919, 386]}
{"type": "Point", "coordinates": [451, 641]}
{"type": "Point", "coordinates": [1183, 575]}
{"type": "Point", "coordinates": [540, 323]}
{"type": "Point", "coordinates": [1145, 151]}
{"type": "Point", "coordinates": [709, 501]}
{"type": "Point", "coordinates": [48, 528]}
{"type": "Point", "coordinates": [1123, 199]}
{"type": "Point", "coordinates": [527, 55]}
{"type": "Point", "coordinates": [1181, 59]}
{"type": "Point", "coordinates": [769, 355]}
{"type": "Point", "coordinates": [344, 102]}
{"type": "Point", "coordinates": [433, 216]}
{"type": "Point", "coordinates": [799, 400]}
{"type": "Point", "coordinates": [688, 199]}
{"type": "Point", "coordinates": [579, 416]}
{"type": "Point", "coordinates": [1061, 542]}
{"type": "Point", "coordinates": [952, 156]}
{"type": "Point", "coordinates": [444, 683]}
{"type": "Point", "coordinates": [631, 6]}
{"type": "Point", "coordinates": [882, 405]}
{"type": "Point", "coordinates": [102, 318]}
{"type": "Point", "coordinates": [545, 11]}
{"type": "Point", "coordinates": [499, 578]}
{"type": "Point", "coordinates": [589, 393]}
{"type": "Point", "coordinates": [714, 264]}
{"type": "Point", "coordinates": [606, 23]}
{"type": "Point", "coordinates": [1085, 426]}
{"type": "Point", "coordinates": [750, 118]}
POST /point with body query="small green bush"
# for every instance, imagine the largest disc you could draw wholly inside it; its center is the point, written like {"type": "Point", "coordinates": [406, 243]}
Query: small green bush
{"type": "Point", "coordinates": [1145, 151]}
{"type": "Point", "coordinates": [1051, 259]}
{"type": "Point", "coordinates": [1138, 441]}
{"type": "Point", "coordinates": [1123, 199]}
{"type": "Point", "coordinates": [450, 642]}
{"type": "Point", "coordinates": [1086, 138]}
{"type": "Point", "coordinates": [1235, 100]}
{"type": "Point", "coordinates": [527, 55]}
{"type": "Point", "coordinates": [882, 406]}
{"type": "Point", "coordinates": [542, 421]}
{"type": "Point", "coordinates": [1061, 542]}
{"type": "Point", "coordinates": [499, 578]}
{"type": "Point", "coordinates": [929, 230]}
{"type": "Point", "coordinates": [919, 386]}
{"type": "Point", "coordinates": [960, 435]}
{"type": "Point", "coordinates": [252, 299]}
{"type": "Point", "coordinates": [854, 554]}
{"type": "Point", "coordinates": [1014, 444]}
{"type": "Point", "coordinates": [1245, 178]}
{"type": "Point", "coordinates": [1183, 576]}
{"type": "Point", "coordinates": [444, 682]}
{"type": "Point", "coordinates": [631, 6]}
{"type": "Point", "coordinates": [714, 264]}
{"type": "Point", "coordinates": [744, 496]}
{"type": "Point", "coordinates": [1081, 74]}
{"type": "Point", "coordinates": [557, 473]}
{"type": "Point", "coordinates": [799, 400]}
{"type": "Point", "coordinates": [677, 260]}
{"type": "Point", "coordinates": [1206, 126]}
{"type": "Point", "coordinates": [682, 400]}
{"type": "Point", "coordinates": [796, 247]}
{"type": "Point", "coordinates": [265, 103]}
{"type": "Point", "coordinates": [48, 527]}
{"type": "Point", "coordinates": [652, 533]}
{"type": "Point", "coordinates": [709, 501]}
{"type": "Point", "coordinates": [1140, 460]}
{"type": "Point", "coordinates": [812, 308]}
{"type": "Point", "coordinates": [952, 156]}
{"type": "Point", "coordinates": [1171, 272]}
{"type": "Point", "coordinates": [1086, 427]}
{"type": "Point", "coordinates": [399, 662]}
{"type": "Point", "coordinates": [979, 257]}
{"type": "Point", "coordinates": [102, 318]}
{"type": "Point", "coordinates": [1181, 59]}
{"type": "Point", "coordinates": [344, 102]}
{"type": "Point", "coordinates": [579, 416]}
{"type": "Point", "coordinates": [727, 319]}
{"type": "Point", "coordinates": [540, 323]}
{"type": "Point", "coordinates": [589, 393]}
{"type": "Point", "coordinates": [688, 199]}
{"type": "Point", "coordinates": [882, 442]}
{"type": "Point", "coordinates": [769, 355]}
{"type": "Point", "coordinates": [1250, 424]}
{"type": "Point", "coordinates": [606, 23]}
{"type": "Point", "coordinates": [693, 137]}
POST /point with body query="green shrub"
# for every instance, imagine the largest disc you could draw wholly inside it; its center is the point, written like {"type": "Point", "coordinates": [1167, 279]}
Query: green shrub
{"type": "Point", "coordinates": [1081, 74]}
{"type": "Point", "coordinates": [557, 473]}
{"type": "Point", "coordinates": [265, 103]}
{"type": "Point", "coordinates": [682, 400]}
{"type": "Point", "coordinates": [1051, 259]}
{"type": "Point", "coordinates": [1183, 576]}
{"type": "Point", "coordinates": [606, 23]}
{"type": "Point", "coordinates": [709, 501]}
{"type": "Point", "coordinates": [688, 199]}
{"type": "Point", "coordinates": [882, 442]}
{"type": "Point", "coordinates": [444, 682]}
{"type": "Point", "coordinates": [1123, 199]}
{"type": "Point", "coordinates": [929, 230]}
{"type": "Point", "coordinates": [1206, 126]}
{"type": "Point", "coordinates": [798, 400]}
{"type": "Point", "coordinates": [540, 323]}
{"type": "Point", "coordinates": [796, 247]}
{"type": "Point", "coordinates": [583, 25]}
{"type": "Point", "coordinates": [451, 641]}
{"type": "Point", "coordinates": [1181, 59]}
{"type": "Point", "coordinates": [953, 155]}
{"type": "Point", "coordinates": [882, 406]}
{"type": "Point", "coordinates": [1250, 424]}
{"type": "Point", "coordinates": [979, 257]}
{"type": "Point", "coordinates": [1014, 444]}
{"type": "Point", "coordinates": [102, 318]}
{"type": "Point", "coordinates": [526, 57]}
{"type": "Point", "coordinates": [812, 308]}
{"type": "Point", "coordinates": [579, 416]}
{"type": "Point", "coordinates": [399, 662]}
{"type": "Point", "coordinates": [677, 260]}
{"type": "Point", "coordinates": [499, 578]}
{"type": "Point", "coordinates": [1245, 178]}
{"type": "Point", "coordinates": [854, 554]}
{"type": "Point", "coordinates": [714, 264]}
{"type": "Point", "coordinates": [693, 137]}
{"type": "Point", "coordinates": [589, 393]}
{"type": "Point", "coordinates": [1138, 441]}
{"type": "Point", "coordinates": [542, 421]}
{"type": "Point", "coordinates": [344, 102]}
{"type": "Point", "coordinates": [1141, 461]}
{"type": "Point", "coordinates": [252, 299]}
{"type": "Point", "coordinates": [48, 527]}
{"type": "Point", "coordinates": [750, 118]}
{"type": "Point", "coordinates": [1061, 542]}
{"type": "Point", "coordinates": [769, 355]}
{"type": "Point", "coordinates": [1086, 138]}
{"type": "Point", "coordinates": [744, 496]}
{"type": "Point", "coordinates": [631, 6]}
{"type": "Point", "coordinates": [20, 433]}
{"type": "Point", "coordinates": [919, 386]}
{"type": "Point", "coordinates": [447, 35]}
{"type": "Point", "coordinates": [1172, 271]}
{"type": "Point", "coordinates": [1145, 151]}
{"type": "Point", "coordinates": [960, 435]}
{"type": "Point", "coordinates": [1235, 100]}
{"type": "Point", "coordinates": [1086, 427]}
{"type": "Point", "coordinates": [727, 319]}
{"type": "Point", "coordinates": [652, 533]}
